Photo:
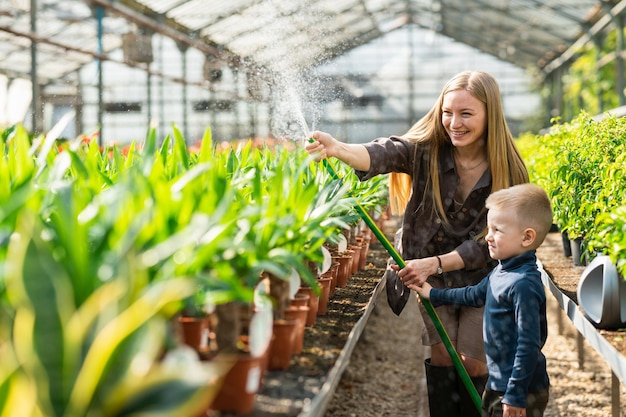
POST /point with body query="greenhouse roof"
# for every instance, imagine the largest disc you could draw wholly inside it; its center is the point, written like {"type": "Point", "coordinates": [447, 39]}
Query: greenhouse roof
{"type": "Point", "coordinates": [541, 34]}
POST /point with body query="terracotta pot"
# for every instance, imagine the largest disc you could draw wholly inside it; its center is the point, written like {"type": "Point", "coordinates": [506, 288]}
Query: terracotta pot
{"type": "Point", "coordinates": [245, 340]}
{"type": "Point", "coordinates": [334, 271]}
{"type": "Point", "coordinates": [300, 299]}
{"type": "Point", "coordinates": [313, 304]}
{"type": "Point", "coordinates": [363, 257]}
{"type": "Point", "coordinates": [195, 332]}
{"type": "Point", "coordinates": [325, 282]}
{"type": "Point", "coordinates": [356, 258]}
{"type": "Point", "coordinates": [240, 386]}
{"type": "Point", "coordinates": [300, 314]}
{"type": "Point", "coordinates": [281, 347]}
{"type": "Point", "coordinates": [345, 268]}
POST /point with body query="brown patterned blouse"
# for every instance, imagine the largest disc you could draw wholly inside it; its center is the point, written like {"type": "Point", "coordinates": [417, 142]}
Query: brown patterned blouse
{"type": "Point", "coordinates": [424, 234]}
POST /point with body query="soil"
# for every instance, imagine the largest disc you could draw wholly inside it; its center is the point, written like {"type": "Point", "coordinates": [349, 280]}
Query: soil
{"type": "Point", "coordinates": [385, 376]}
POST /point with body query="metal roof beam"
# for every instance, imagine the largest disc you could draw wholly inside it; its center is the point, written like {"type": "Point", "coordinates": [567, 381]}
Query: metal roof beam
{"type": "Point", "coordinates": [250, 30]}
{"type": "Point", "coordinates": [103, 57]}
{"type": "Point", "coordinates": [569, 54]}
{"type": "Point", "coordinates": [514, 17]}
{"type": "Point", "coordinates": [177, 34]}
{"type": "Point", "coordinates": [288, 34]}
{"type": "Point", "coordinates": [232, 13]}
{"type": "Point", "coordinates": [558, 11]}
{"type": "Point", "coordinates": [363, 38]}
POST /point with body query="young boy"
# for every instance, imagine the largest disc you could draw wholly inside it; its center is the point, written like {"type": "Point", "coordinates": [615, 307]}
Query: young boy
{"type": "Point", "coordinates": [514, 326]}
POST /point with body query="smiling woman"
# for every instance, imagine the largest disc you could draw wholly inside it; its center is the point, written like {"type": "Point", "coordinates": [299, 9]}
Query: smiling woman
{"type": "Point", "coordinates": [444, 214]}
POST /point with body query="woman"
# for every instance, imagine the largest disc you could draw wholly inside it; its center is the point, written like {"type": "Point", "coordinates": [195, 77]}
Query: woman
{"type": "Point", "coordinates": [442, 171]}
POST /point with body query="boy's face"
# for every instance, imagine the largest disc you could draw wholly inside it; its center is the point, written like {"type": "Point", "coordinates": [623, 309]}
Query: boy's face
{"type": "Point", "coordinates": [506, 239]}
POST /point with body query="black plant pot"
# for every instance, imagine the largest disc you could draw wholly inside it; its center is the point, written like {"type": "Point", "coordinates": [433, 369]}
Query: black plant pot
{"type": "Point", "coordinates": [567, 247]}
{"type": "Point", "coordinates": [577, 251]}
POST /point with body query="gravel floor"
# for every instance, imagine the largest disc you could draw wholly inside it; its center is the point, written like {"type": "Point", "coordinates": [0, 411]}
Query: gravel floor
{"type": "Point", "coordinates": [386, 373]}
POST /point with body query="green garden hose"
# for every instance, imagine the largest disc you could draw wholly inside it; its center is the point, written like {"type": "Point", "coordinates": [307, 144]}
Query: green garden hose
{"type": "Point", "coordinates": [469, 385]}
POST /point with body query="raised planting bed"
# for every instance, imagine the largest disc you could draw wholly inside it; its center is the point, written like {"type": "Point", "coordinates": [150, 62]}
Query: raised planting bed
{"type": "Point", "coordinates": [561, 278]}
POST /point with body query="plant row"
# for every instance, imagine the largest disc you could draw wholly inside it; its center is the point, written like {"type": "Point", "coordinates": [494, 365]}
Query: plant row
{"type": "Point", "coordinates": [582, 166]}
{"type": "Point", "coordinates": [101, 248]}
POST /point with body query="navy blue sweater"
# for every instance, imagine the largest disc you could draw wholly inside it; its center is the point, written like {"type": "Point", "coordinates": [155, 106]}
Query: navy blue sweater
{"type": "Point", "coordinates": [514, 325]}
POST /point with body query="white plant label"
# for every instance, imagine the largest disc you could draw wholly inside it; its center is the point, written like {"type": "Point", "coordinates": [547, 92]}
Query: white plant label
{"type": "Point", "coordinates": [328, 260]}
{"type": "Point", "coordinates": [343, 244]}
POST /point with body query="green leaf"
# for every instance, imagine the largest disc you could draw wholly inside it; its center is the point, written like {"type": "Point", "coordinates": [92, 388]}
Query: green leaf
{"type": "Point", "coordinates": [180, 149]}
{"type": "Point", "coordinates": [206, 148]}
{"type": "Point", "coordinates": [42, 294]}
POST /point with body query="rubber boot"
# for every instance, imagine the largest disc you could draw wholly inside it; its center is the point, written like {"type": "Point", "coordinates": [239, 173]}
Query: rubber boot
{"type": "Point", "coordinates": [443, 395]}
{"type": "Point", "coordinates": [467, 406]}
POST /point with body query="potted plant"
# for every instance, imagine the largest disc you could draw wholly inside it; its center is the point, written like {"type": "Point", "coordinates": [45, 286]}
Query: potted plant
{"type": "Point", "coordinates": [83, 308]}
{"type": "Point", "coordinates": [578, 163]}
{"type": "Point", "coordinates": [194, 322]}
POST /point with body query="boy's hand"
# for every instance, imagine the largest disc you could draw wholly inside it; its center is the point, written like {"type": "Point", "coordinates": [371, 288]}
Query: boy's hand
{"type": "Point", "coordinates": [424, 290]}
{"type": "Point", "coordinates": [510, 411]}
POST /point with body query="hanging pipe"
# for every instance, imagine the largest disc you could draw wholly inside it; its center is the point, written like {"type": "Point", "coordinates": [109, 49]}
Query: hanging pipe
{"type": "Point", "coordinates": [469, 385]}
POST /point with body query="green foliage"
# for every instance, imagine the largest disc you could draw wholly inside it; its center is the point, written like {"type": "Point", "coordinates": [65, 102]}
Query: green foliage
{"type": "Point", "coordinates": [589, 84]}
{"type": "Point", "coordinates": [99, 248]}
{"type": "Point", "coordinates": [581, 166]}
{"type": "Point", "coordinates": [67, 359]}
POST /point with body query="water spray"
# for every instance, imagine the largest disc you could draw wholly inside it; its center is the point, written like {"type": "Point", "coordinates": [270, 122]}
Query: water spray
{"type": "Point", "coordinates": [456, 359]}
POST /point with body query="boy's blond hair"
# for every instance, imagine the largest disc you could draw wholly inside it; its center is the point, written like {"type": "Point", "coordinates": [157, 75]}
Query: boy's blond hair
{"type": "Point", "coordinates": [530, 204]}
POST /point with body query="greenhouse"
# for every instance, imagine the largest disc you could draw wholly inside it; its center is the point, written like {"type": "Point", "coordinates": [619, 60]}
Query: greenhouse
{"type": "Point", "coordinates": [163, 168]}
{"type": "Point", "coordinates": [360, 68]}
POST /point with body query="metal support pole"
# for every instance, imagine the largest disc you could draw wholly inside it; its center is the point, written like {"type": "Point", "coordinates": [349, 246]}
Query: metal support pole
{"type": "Point", "coordinates": [212, 115]}
{"type": "Point", "coordinates": [238, 126]}
{"type": "Point", "coordinates": [100, 16]}
{"type": "Point", "coordinates": [615, 400]}
{"type": "Point", "coordinates": [149, 95]}
{"type": "Point", "coordinates": [559, 319]}
{"type": "Point", "coordinates": [37, 117]}
{"type": "Point", "coordinates": [253, 109]}
{"type": "Point", "coordinates": [619, 61]}
{"type": "Point", "coordinates": [78, 120]}
{"type": "Point", "coordinates": [183, 52]}
{"type": "Point", "coordinates": [580, 347]}
{"type": "Point", "coordinates": [597, 41]}
{"type": "Point", "coordinates": [161, 100]}
{"type": "Point", "coordinates": [560, 91]}
{"type": "Point", "coordinates": [411, 74]}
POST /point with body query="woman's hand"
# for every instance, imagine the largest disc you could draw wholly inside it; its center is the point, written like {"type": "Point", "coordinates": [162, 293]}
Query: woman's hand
{"type": "Point", "coordinates": [416, 271]}
{"type": "Point", "coordinates": [323, 147]}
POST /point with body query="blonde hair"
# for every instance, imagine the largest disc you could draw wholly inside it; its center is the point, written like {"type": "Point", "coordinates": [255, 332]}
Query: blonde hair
{"type": "Point", "coordinates": [505, 161]}
{"type": "Point", "coordinates": [531, 206]}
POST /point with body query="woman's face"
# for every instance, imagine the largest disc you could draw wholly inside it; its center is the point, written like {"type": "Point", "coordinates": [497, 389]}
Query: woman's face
{"type": "Point", "coordinates": [465, 118]}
